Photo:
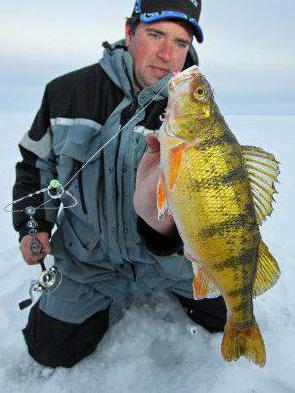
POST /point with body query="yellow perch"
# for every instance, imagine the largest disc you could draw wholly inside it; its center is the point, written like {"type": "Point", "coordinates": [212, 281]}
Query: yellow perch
{"type": "Point", "coordinates": [218, 192]}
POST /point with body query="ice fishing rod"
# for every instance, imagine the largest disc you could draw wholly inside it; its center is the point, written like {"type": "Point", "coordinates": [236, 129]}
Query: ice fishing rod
{"type": "Point", "coordinates": [51, 278]}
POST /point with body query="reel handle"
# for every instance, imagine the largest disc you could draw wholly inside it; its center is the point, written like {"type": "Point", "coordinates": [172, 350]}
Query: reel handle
{"type": "Point", "coordinates": [25, 303]}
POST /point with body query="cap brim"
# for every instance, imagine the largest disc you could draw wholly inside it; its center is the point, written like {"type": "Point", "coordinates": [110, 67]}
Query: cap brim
{"type": "Point", "coordinates": [152, 17]}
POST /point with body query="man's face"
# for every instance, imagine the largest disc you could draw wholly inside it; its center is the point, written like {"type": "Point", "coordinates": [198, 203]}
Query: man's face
{"type": "Point", "coordinates": [157, 48]}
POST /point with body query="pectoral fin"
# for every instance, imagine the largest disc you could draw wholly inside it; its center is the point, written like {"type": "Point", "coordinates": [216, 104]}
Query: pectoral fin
{"type": "Point", "coordinates": [175, 158]}
{"type": "Point", "coordinates": [267, 272]}
{"type": "Point", "coordinates": [162, 204]}
{"type": "Point", "coordinates": [263, 170]}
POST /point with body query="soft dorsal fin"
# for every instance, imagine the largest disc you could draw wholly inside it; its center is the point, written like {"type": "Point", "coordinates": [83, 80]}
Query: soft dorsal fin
{"type": "Point", "coordinates": [267, 272]}
{"type": "Point", "coordinates": [263, 171]}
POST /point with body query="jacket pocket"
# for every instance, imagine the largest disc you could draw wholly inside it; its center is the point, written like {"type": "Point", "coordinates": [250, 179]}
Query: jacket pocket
{"type": "Point", "coordinates": [79, 240]}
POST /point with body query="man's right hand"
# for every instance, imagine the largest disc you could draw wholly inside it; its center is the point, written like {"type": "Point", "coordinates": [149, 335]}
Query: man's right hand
{"type": "Point", "coordinates": [25, 247]}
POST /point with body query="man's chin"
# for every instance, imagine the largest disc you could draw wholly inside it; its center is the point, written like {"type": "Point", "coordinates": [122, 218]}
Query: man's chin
{"type": "Point", "coordinates": [148, 81]}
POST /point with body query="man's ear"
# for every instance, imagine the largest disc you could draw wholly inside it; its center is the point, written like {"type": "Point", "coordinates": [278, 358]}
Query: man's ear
{"type": "Point", "coordinates": [128, 33]}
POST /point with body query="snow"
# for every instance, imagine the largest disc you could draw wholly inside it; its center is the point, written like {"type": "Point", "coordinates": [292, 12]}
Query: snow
{"type": "Point", "coordinates": [153, 347]}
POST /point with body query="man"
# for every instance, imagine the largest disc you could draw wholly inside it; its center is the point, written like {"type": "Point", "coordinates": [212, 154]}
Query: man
{"type": "Point", "coordinates": [108, 248]}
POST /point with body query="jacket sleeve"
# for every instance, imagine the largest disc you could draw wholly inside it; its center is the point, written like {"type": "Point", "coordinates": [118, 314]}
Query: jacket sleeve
{"type": "Point", "coordinates": [157, 243]}
{"type": "Point", "coordinates": [34, 173]}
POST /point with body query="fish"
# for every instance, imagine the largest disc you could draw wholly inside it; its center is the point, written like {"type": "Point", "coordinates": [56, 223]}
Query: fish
{"type": "Point", "coordinates": [218, 193]}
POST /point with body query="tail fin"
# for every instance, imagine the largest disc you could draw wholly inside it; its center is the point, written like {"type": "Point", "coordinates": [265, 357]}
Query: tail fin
{"type": "Point", "coordinates": [246, 342]}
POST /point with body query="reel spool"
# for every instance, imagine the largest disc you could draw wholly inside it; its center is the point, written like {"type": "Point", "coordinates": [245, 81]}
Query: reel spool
{"type": "Point", "coordinates": [49, 279]}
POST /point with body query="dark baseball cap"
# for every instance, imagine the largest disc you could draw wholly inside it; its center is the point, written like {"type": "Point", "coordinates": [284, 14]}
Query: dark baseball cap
{"type": "Point", "coordinates": [154, 10]}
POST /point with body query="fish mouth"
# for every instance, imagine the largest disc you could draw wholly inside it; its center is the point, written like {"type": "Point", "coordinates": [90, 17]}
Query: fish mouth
{"type": "Point", "coordinates": [180, 77]}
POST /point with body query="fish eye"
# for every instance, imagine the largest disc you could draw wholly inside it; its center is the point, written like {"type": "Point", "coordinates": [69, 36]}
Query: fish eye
{"type": "Point", "coordinates": [200, 93]}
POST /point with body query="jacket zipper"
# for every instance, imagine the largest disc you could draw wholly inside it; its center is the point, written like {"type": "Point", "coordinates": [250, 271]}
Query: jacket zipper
{"type": "Point", "coordinates": [81, 192]}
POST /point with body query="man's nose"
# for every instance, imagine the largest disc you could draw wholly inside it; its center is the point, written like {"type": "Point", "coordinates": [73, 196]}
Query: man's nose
{"type": "Point", "coordinates": [165, 52]}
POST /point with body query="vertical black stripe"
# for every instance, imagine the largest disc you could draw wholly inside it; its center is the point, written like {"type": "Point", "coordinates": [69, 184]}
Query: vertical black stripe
{"type": "Point", "coordinates": [81, 192]}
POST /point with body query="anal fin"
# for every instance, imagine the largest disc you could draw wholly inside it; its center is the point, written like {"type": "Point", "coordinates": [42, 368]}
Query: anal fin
{"type": "Point", "coordinates": [267, 272]}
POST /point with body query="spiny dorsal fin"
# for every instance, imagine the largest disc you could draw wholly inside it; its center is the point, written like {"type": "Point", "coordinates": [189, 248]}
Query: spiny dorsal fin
{"type": "Point", "coordinates": [267, 272]}
{"type": "Point", "coordinates": [263, 171]}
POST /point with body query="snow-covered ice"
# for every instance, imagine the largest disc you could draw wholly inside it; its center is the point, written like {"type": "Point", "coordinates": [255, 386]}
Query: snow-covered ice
{"type": "Point", "coordinates": [154, 347]}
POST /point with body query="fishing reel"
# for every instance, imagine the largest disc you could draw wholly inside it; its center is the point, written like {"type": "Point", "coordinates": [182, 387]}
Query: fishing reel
{"type": "Point", "coordinates": [49, 278]}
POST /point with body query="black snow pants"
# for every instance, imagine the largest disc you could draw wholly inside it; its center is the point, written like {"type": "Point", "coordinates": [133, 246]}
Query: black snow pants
{"type": "Point", "coordinates": [55, 343]}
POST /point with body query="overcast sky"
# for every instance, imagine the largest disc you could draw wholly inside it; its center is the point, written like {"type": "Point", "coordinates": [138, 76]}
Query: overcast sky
{"type": "Point", "coordinates": [248, 53]}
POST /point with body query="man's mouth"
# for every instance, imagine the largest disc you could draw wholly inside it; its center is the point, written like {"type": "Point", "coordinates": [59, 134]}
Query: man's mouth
{"type": "Point", "coordinates": [159, 70]}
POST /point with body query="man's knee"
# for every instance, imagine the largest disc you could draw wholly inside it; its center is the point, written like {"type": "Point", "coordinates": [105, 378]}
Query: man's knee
{"type": "Point", "coordinates": [209, 313]}
{"type": "Point", "coordinates": [55, 343]}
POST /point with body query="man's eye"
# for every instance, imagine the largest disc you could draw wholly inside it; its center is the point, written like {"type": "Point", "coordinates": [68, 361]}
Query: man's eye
{"type": "Point", "coordinates": [181, 44]}
{"type": "Point", "coordinates": [156, 36]}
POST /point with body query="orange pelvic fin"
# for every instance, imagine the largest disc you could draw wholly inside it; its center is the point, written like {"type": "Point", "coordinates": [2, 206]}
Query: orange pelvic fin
{"type": "Point", "coordinates": [162, 204]}
{"type": "Point", "coordinates": [203, 286]}
{"type": "Point", "coordinates": [176, 154]}
{"type": "Point", "coordinates": [246, 342]}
